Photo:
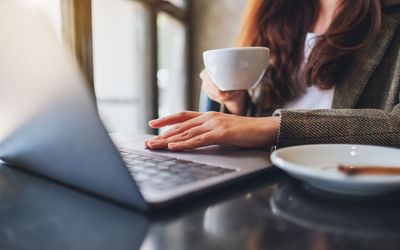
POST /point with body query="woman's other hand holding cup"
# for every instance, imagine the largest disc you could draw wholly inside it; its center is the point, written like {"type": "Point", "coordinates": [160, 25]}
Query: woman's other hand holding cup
{"type": "Point", "coordinates": [234, 100]}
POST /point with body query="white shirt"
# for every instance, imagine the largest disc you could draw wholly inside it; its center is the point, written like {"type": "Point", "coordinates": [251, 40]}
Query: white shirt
{"type": "Point", "coordinates": [313, 98]}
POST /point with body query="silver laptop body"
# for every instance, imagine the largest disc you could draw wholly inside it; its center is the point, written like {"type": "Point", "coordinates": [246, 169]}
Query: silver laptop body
{"type": "Point", "coordinates": [50, 126]}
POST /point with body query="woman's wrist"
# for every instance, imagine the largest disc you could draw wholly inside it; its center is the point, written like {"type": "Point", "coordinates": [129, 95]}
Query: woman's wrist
{"type": "Point", "coordinates": [269, 128]}
{"type": "Point", "coordinates": [238, 105]}
{"type": "Point", "coordinates": [254, 132]}
{"type": "Point", "coordinates": [234, 108]}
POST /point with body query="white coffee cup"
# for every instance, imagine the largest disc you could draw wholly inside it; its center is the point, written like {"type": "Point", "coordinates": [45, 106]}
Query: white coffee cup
{"type": "Point", "coordinates": [236, 68]}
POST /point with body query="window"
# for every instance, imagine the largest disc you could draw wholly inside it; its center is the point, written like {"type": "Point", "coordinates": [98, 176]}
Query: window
{"type": "Point", "coordinates": [172, 65]}
{"type": "Point", "coordinates": [119, 63]}
{"type": "Point", "coordinates": [139, 61]}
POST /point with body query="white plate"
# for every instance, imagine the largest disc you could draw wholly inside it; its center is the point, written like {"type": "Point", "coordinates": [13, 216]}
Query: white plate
{"type": "Point", "coordinates": [317, 165]}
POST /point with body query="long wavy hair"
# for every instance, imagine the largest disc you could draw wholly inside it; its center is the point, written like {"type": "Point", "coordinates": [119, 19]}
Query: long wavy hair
{"type": "Point", "coordinates": [282, 25]}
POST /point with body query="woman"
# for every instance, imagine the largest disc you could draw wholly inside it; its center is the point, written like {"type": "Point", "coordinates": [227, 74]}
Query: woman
{"type": "Point", "coordinates": [353, 71]}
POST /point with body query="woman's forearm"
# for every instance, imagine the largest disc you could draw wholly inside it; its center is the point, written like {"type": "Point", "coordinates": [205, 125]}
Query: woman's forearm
{"type": "Point", "coordinates": [195, 129]}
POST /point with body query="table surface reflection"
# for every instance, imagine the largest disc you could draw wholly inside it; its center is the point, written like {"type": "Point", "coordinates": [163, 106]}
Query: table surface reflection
{"type": "Point", "coordinates": [270, 211]}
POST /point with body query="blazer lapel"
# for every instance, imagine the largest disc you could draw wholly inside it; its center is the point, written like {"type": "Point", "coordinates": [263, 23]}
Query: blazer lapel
{"type": "Point", "coordinates": [347, 93]}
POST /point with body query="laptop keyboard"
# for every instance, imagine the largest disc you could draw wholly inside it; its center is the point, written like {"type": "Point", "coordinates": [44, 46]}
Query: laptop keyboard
{"type": "Point", "coordinates": [161, 172]}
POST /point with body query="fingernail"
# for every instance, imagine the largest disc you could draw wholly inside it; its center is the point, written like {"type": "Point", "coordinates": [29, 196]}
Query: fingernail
{"type": "Point", "coordinates": [171, 145]}
{"type": "Point", "coordinates": [154, 143]}
{"type": "Point", "coordinates": [153, 120]}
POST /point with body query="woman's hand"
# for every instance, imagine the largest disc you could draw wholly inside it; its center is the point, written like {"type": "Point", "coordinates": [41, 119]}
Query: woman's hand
{"type": "Point", "coordinates": [234, 100]}
{"type": "Point", "coordinates": [196, 129]}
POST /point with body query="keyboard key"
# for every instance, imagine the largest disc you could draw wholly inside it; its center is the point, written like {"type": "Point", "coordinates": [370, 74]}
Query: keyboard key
{"type": "Point", "coordinates": [135, 162]}
{"type": "Point", "coordinates": [163, 167]}
{"type": "Point", "coordinates": [183, 161]}
{"type": "Point", "coordinates": [140, 177]}
{"type": "Point", "coordinates": [150, 164]}
{"type": "Point", "coordinates": [168, 163]}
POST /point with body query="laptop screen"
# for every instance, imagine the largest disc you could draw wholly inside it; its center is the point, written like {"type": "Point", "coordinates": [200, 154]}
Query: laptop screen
{"type": "Point", "coordinates": [49, 121]}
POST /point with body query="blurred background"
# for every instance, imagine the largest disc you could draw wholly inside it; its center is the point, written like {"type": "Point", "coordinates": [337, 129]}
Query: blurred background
{"type": "Point", "coordinates": [142, 58]}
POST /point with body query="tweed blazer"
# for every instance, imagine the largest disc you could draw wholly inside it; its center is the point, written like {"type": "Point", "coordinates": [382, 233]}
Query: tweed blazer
{"type": "Point", "coordinates": [365, 108]}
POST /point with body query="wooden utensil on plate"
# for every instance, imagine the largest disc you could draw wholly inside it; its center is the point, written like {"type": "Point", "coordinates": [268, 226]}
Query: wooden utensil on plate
{"type": "Point", "coordinates": [368, 170]}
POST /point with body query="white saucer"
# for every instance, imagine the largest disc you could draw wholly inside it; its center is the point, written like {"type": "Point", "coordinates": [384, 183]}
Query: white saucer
{"type": "Point", "coordinates": [317, 165]}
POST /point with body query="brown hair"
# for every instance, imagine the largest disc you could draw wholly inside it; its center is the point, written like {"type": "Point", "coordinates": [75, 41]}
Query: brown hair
{"type": "Point", "coordinates": [282, 26]}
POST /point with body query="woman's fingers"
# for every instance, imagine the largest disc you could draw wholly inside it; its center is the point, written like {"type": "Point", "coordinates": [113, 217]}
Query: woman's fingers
{"type": "Point", "coordinates": [180, 128]}
{"type": "Point", "coordinates": [146, 143]}
{"type": "Point", "coordinates": [209, 87]}
{"type": "Point", "coordinates": [204, 76]}
{"type": "Point", "coordinates": [195, 142]}
{"type": "Point", "coordinates": [183, 131]}
{"type": "Point", "coordinates": [211, 93]}
{"type": "Point", "coordinates": [221, 96]}
{"type": "Point", "coordinates": [162, 142]}
{"type": "Point", "coordinates": [174, 119]}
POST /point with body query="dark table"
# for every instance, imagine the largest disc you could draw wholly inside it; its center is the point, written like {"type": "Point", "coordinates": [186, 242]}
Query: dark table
{"type": "Point", "coordinates": [270, 211]}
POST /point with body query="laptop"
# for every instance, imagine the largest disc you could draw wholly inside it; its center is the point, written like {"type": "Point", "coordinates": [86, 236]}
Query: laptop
{"type": "Point", "coordinates": [50, 126]}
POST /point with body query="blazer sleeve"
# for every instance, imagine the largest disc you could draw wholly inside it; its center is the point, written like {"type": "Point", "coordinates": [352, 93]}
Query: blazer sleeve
{"type": "Point", "coordinates": [349, 126]}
